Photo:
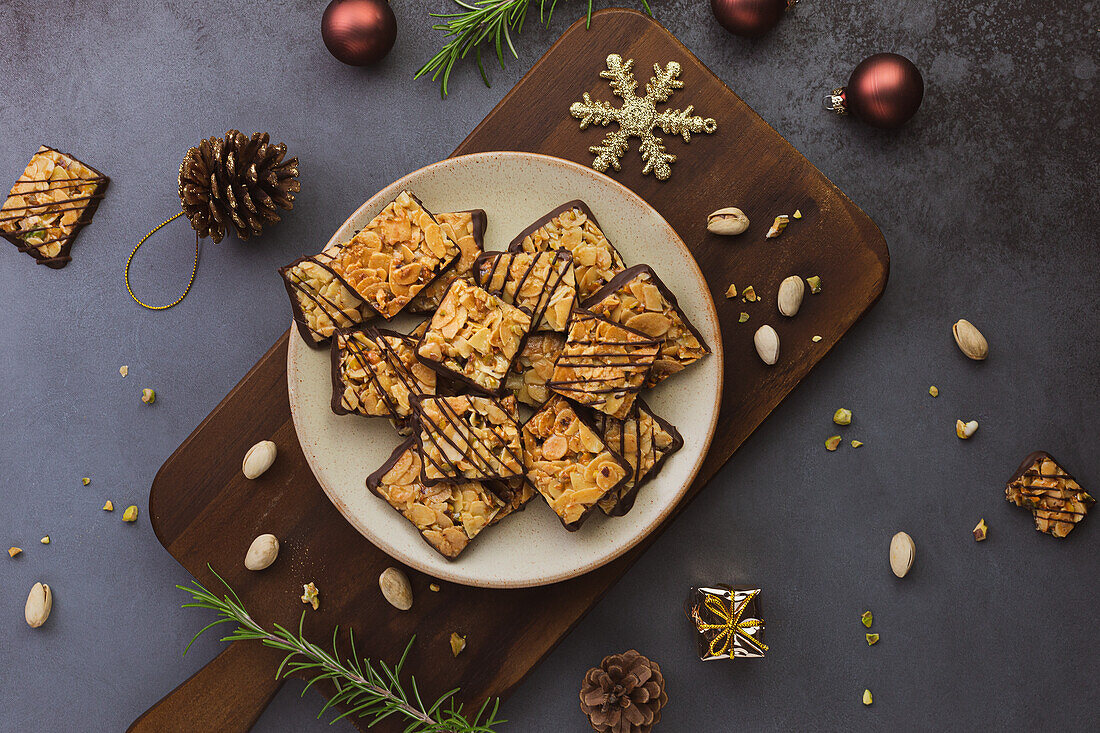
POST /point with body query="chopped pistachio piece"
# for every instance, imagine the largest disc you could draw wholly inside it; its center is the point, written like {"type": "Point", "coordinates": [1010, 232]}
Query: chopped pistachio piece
{"type": "Point", "coordinates": [815, 283]}
{"type": "Point", "coordinates": [148, 396]}
{"type": "Point", "coordinates": [843, 416]}
{"type": "Point", "coordinates": [981, 531]}
{"type": "Point", "coordinates": [749, 293]}
{"type": "Point", "coordinates": [872, 639]}
{"type": "Point", "coordinates": [130, 514]}
{"type": "Point", "coordinates": [108, 507]}
{"type": "Point", "coordinates": [797, 213]}
{"type": "Point", "coordinates": [45, 540]}
{"type": "Point", "coordinates": [85, 481]}
{"type": "Point", "coordinates": [815, 339]}
{"type": "Point", "coordinates": [433, 587]}
{"type": "Point", "coordinates": [124, 370]}
{"type": "Point", "coordinates": [778, 226]}
{"type": "Point", "coordinates": [934, 391]}
{"type": "Point", "coordinates": [867, 699]}
{"type": "Point", "coordinates": [731, 291]}
{"type": "Point", "coordinates": [743, 317]}
{"type": "Point", "coordinates": [965, 429]}
{"type": "Point", "coordinates": [857, 443]}
{"type": "Point", "coordinates": [311, 595]}
{"type": "Point", "coordinates": [832, 443]}
{"type": "Point", "coordinates": [867, 618]}
{"type": "Point", "coordinates": [458, 643]}
{"type": "Point", "coordinates": [13, 551]}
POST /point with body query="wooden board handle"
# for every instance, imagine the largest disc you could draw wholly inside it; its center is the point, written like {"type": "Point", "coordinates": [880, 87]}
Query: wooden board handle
{"type": "Point", "coordinates": [228, 694]}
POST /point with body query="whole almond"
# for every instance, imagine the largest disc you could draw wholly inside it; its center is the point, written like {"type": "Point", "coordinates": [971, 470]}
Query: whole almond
{"type": "Point", "coordinates": [790, 295]}
{"type": "Point", "coordinates": [396, 588]}
{"type": "Point", "coordinates": [767, 344]}
{"type": "Point", "coordinates": [258, 459]}
{"type": "Point", "coordinates": [727, 222]}
{"type": "Point", "coordinates": [39, 603]}
{"type": "Point", "coordinates": [970, 340]}
{"type": "Point", "coordinates": [902, 552]}
{"type": "Point", "coordinates": [262, 552]}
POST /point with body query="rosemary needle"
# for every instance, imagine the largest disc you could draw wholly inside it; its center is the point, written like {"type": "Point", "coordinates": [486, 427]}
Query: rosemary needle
{"type": "Point", "coordinates": [364, 688]}
{"type": "Point", "coordinates": [477, 23]}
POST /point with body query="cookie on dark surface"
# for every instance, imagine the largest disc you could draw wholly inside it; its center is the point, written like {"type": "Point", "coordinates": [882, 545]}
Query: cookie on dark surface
{"type": "Point", "coordinates": [54, 198]}
{"type": "Point", "coordinates": [1054, 497]}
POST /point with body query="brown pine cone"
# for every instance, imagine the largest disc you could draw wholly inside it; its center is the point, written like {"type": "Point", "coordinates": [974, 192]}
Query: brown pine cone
{"type": "Point", "coordinates": [236, 181]}
{"type": "Point", "coordinates": [624, 694]}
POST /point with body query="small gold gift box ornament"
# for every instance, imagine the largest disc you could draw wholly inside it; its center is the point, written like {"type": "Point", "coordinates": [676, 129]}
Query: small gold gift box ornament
{"type": "Point", "coordinates": [727, 622]}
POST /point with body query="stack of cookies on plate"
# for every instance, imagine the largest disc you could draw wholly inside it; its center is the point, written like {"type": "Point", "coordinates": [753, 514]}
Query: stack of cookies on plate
{"type": "Point", "coordinates": [525, 376]}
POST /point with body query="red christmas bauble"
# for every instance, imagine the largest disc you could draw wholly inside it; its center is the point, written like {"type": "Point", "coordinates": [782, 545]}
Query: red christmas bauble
{"type": "Point", "coordinates": [359, 32]}
{"type": "Point", "coordinates": [884, 90]}
{"type": "Point", "coordinates": [749, 18]}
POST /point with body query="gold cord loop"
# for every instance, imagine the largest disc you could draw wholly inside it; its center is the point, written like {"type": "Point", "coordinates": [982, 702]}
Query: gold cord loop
{"type": "Point", "coordinates": [190, 282]}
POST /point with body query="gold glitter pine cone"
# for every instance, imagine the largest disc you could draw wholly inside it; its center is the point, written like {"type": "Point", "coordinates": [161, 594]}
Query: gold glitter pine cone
{"type": "Point", "coordinates": [237, 182]}
{"type": "Point", "coordinates": [624, 694]}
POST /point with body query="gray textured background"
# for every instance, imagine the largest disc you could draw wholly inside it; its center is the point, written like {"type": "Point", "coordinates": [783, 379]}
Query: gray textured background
{"type": "Point", "coordinates": [988, 202]}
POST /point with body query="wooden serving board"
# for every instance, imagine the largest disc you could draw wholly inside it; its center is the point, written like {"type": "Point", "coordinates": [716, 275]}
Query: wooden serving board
{"type": "Point", "coordinates": [204, 511]}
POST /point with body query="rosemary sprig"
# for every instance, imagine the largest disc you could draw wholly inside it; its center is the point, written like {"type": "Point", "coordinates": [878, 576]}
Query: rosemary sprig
{"type": "Point", "coordinates": [367, 689]}
{"type": "Point", "coordinates": [481, 22]}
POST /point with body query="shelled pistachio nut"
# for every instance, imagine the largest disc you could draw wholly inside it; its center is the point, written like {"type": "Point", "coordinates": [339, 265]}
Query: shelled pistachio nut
{"type": "Point", "coordinates": [258, 459]}
{"type": "Point", "coordinates": [767, 344]}
{"type": "Point", "coordinates": [902, 552]}
{"type": "Point", "coordinates": [262, 552]}
{"type": "Point", "coordinates": [396, 588]}
{"type": "Point", "coordinates": [970, 340]}
{"type": "Point", "coordinates": [39, 604]}
{"type": "Point", "coordinates": [727, 222]}
{"type": "Point", "coordinates": [791, 292]}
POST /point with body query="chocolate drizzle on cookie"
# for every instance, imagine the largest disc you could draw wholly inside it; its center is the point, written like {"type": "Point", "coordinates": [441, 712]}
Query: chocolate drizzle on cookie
{"type": "Point", "coordinates": [615, 433]}
{"type": "Point", "coordinates": [623, 300]}
{"type": "Point", "coordinates": [1054, 497]}
{"type": "Point", "coordinates": [590, 277]}
{"type": "Point", "coordinates": [447, 516]}
{"type": "Point", "coordinates": [386, 357]}
{"type": "Point", "coordinates": [26, 188]}
{"type": "Point", "coordinates": [480, 453]}
{"type": "Point", "coordinates": [616, 367]}
{"type": "Point", "coordinates": [28, 209]}
{"type": "Point", "coordinates": [297, 286]}
{"type": "Point", "coordinates": [490, 265]}
{"type": "Point", "coordinates": [427, 300]}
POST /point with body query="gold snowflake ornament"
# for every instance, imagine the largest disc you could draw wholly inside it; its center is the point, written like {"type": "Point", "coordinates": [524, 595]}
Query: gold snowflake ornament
{"type": "Point", "coordinates": [638, 116]}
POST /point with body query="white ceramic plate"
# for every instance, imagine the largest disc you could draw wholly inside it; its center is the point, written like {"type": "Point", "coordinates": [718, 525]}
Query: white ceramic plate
{"type": "Point", "coordinates": [531, 547]}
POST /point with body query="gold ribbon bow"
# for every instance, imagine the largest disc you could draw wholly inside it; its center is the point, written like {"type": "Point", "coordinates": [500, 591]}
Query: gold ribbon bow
{"type": "Point", "coordinates": [732, 626]}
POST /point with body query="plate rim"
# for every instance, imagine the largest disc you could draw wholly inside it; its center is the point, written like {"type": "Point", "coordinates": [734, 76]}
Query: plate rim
{"type": "Point", "coordinates": [717, 353]}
